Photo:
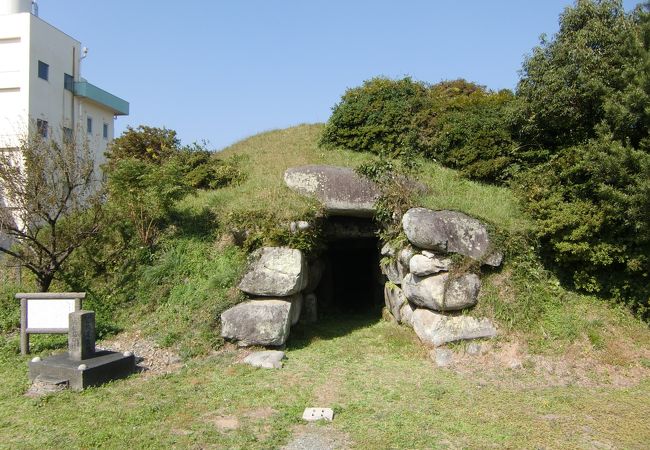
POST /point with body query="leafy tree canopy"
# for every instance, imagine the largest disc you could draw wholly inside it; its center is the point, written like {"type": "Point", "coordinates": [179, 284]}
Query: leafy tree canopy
{"type": "Point", "coordinates": [592, 74]}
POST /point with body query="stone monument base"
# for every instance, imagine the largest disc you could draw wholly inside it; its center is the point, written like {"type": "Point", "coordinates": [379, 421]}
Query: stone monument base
{"type": "Point", "coordinates": [101, 367]}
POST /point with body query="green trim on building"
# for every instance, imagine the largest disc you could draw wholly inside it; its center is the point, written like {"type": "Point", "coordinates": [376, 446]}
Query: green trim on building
{"type": "Point", "coordinates": [90, 91]}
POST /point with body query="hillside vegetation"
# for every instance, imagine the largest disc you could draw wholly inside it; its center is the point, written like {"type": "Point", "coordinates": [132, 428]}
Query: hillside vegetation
{"type": "Point", "coordinates": [584, 361]}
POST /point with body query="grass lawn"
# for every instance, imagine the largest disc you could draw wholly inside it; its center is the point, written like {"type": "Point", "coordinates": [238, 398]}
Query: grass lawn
{"type": "Point", "coordinates": [385, 391]}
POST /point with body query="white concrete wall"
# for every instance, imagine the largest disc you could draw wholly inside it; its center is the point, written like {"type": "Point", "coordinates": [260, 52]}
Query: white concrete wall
{"type": "Point", "coordinates": [24, 97]}
{"type": "Point", "coordinates": [99, 116]}
{"type": "Point", "coordinates": [48, 100]}
{"type": "Point", "coordinates": [14, 77]}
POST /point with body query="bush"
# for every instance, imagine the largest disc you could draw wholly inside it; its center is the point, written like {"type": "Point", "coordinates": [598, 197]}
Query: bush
{"type": "Point", "coordinates": [469, 131]}
{"type": "Point", "coordinates": [145, 143]}
{"type": "Point", "coordinates": [376, 117]}
{"type": "Point", "coordinates": [142, 195]}
{"type": "Point", "coordinates": [591, 204]}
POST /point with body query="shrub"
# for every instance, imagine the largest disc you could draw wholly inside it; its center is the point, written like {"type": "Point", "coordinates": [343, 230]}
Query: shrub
{"type": "Point", "coordinates": [376, 117]}
{"type": "Point", "coordinates": [145, 143]}
{"type": "Point", "coordinates": [591, 204]}
{"type": "Point", "coordinates": [143, 193]}
{"type": "Point", "coordinates": [469, 131]}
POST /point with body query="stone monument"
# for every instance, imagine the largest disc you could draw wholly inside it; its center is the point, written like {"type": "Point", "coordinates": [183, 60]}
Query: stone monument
{"type": "Point", "coordinates": [82, 366]}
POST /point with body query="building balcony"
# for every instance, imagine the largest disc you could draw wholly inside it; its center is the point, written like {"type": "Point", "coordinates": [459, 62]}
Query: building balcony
{"type": "Point", "coordinates": [84, 89]}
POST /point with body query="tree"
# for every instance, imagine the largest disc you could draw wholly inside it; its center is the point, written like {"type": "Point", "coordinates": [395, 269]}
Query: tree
{"type": "Point", "coordinates": [581, 79]}
{"type": "Point", "coordinates": [52, 202]}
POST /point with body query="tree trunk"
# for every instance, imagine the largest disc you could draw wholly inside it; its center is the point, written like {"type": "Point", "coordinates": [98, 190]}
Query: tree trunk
{"type": "Point", "coordinates": [44, 282]}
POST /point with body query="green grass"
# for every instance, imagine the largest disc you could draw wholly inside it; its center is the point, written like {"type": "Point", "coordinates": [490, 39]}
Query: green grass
{"type": "Point", "coordinates": [385, 391]}
{"type": "Point", "coordinates": [266, 156]}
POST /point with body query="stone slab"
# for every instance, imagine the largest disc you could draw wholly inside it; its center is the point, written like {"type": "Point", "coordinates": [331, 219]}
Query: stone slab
{"type": "Point", "coordinates": [104, 366]}
{"type": "Point", "coordinates": [269, 359]}
{"type": "Point", "coordinates": [340, 189]}
{"type": "Point", "coordinates": [81, 335]}
{"type": "Point", "coordinates": [314, 414]}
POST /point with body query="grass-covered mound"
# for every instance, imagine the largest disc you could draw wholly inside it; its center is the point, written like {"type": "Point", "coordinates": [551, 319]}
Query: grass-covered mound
{"type": "Point", "coordinates": [563, 362]}
{"type": "Point", "coordinates": [176, 292]}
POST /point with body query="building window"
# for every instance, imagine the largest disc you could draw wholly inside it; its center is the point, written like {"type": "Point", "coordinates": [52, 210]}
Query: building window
{"type": "Point", "coordinates": [105, 131]}
{"type": "Point", "coordinates": [43, 71]}
{"type": "Point", "coordinates": [67, 134]}
{"type": "Point", "coordinates": [68, 82]}
{"type": "Point", "coordinates": [89, 125]}
{"type": "Point", "coordinates": [41, 127]}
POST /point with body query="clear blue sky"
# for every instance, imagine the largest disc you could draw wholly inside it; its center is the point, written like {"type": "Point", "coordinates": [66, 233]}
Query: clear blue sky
{"type": "Point", "coordinates": [223, 70]}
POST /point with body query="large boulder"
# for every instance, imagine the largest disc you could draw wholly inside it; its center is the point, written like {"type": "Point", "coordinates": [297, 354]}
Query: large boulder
{"type": "Point", "coordinates": [462, 292]}
{"type": "Point", "coordinates": [440, 293]}
{"type": "Point", "coordinates": [437, 329]}
{"type": "Point", "coordinates": [448, 232]}
{"type": "Point", "coordinates": [257, 322]}
{"type": "Point", "coordinates": [275, 272]}
{"type": "Point", "coordinates": [340, 189]}
{"type": "Point", "coordinates": [395, 299]}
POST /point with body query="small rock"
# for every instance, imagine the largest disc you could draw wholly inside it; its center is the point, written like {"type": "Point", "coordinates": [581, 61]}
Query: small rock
{"type": "Point", "coordinates": [515, 364]}
{"type": "Point", "coordinates": [405, 255]}
{"type": "Point", "coordinates": [406, 313]}
{"type": "Point", "coordinates": [474, 348]}
{"type": "Point", "coordinates": [422, 265]}
{"type": "Point", "coordinates": [395, 299]}
{"type": "Point", "coordinates": [387, 250]}
{"type": "Point", "coordinates": [494, 260]}
{"type": "Point", "coordinates": [269, 359]}
{"type": "Point", "coordinates": [393, 270]}
{"type": "Point", "coordinates": [443, 357]}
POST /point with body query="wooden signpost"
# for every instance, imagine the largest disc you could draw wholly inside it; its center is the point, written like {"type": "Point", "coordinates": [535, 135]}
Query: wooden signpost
{"type": "Point", "coordinates": [46, 313]}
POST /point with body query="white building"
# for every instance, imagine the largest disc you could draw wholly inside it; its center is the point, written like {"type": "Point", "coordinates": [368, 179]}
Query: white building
{"type": "Point", "coordinates": [41, 83]}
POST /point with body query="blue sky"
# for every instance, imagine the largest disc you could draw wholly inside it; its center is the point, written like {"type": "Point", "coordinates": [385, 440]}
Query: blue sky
{"type": "Point", "coordinates": [224, 70]}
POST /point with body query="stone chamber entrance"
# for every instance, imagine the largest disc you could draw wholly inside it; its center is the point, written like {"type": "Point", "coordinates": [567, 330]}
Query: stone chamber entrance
{"type": "Point", "coordinates": [351, 282]}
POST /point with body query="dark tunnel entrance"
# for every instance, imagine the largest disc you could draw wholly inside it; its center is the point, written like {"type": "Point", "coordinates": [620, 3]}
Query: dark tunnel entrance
{"type": "Point", "coordinates": [352, 282]}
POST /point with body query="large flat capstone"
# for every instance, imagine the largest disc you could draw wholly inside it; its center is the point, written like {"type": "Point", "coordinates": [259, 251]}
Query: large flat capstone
{"type": "Point", "coordinates": [437, 329]}
{"type": "Point", "coordinates": [340, 189]}
{"type": "Point", "coordinates": [275, 272]}
{"type": "Point", "coordinates": [448, 232]}
{"type": "Point", "coordinates": [258, 322]}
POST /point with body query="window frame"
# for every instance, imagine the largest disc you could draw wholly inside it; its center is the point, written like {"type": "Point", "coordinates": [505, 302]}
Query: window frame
{"type": "Point", "coordinates": [42, 127]}
{"type": "Point", "coordinates": [68, 82]}
{"type": "Point", "coordinates": [89, 125]}
{"type": "Point", "coordinates": [105, 131]}
{"type": "Point", "coordinates": [43, 70]}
